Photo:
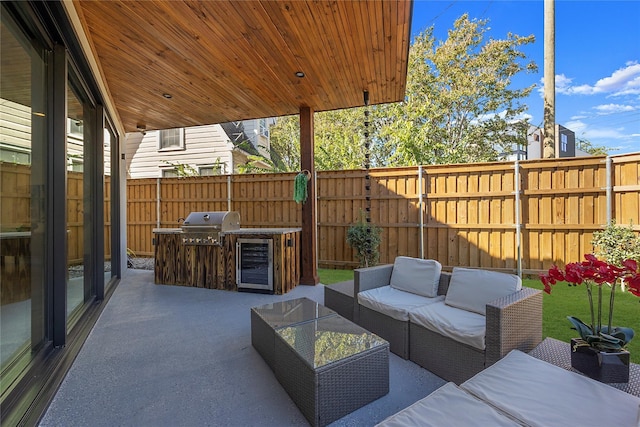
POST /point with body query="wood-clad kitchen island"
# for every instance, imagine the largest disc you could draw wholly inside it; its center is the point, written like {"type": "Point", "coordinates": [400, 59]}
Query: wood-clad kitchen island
{"type": "Point", "coordinates": [215, 266]}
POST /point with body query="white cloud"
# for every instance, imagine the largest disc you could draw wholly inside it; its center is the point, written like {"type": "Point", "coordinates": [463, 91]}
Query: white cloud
{"type": "Point", "coordinates": [604, 133]}
{"type": "Point", "coordinates": [563, 83]}
{"type": "Point", "coordinates": [624, 81]}
{"type": "Point", "coordinates": [613, 108]}
{"type": "Point", "coordinates": [577, 126]}
{"type": "Point", "coordinates": [594, 133]}
{"type": "Point", "coordinates": [579, 117]}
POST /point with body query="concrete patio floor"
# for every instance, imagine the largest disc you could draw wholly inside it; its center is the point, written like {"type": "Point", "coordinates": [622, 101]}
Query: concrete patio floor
{"type": "Point", "coordinates": [175, 356]}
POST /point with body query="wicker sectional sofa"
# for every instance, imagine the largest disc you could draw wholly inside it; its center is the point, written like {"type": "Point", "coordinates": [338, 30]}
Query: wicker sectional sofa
{"type": "Point", "coordinates": [453, 324]}
{"type": "Point", "coordinates": [520, 390]}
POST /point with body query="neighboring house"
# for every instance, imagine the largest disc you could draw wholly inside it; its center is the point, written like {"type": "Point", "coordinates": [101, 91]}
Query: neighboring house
{"type": "Point", "coordinates": [565, 145]}
{"type": "Point", "coordinates": [15, 138]}
{"type": "Point", "coordinates": [202, 150]}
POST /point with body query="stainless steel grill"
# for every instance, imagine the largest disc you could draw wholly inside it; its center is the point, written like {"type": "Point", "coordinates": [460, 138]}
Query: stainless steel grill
{"type": "Point", "coordinates": [204, 228]}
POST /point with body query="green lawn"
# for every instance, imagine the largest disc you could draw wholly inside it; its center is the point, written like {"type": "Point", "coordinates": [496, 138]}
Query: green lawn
{"type": "Point", "coordinates": [564, 301]}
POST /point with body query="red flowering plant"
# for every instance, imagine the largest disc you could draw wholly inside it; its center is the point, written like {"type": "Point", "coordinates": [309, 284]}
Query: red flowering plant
{"type": "Point", "coordinates": [594, 273]}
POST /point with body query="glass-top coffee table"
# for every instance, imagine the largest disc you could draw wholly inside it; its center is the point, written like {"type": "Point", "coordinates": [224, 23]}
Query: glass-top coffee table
{"type": "Point", "coordinates": [265, 319]}
{"type": "Point", "coordinates": [328, 365]}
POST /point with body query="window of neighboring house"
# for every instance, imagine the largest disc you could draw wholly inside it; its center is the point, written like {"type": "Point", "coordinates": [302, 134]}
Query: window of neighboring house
{"type": "Point", "coordinates": [264, 129]}
{"type": "Point", "coordinates": [169, 173]}
{"type": "Point", "coordinates": [171, 139]}
{"type": "Point", "coordinates": [208, 170]}
{"type": "Point", "coordinates": [563, 142]}
{"type": "Point", "coordinates": [75, 127]}
{"type": "Point", "coordinates": [12, 154]}
{"type": "Point", "coordinates": [75, 163]}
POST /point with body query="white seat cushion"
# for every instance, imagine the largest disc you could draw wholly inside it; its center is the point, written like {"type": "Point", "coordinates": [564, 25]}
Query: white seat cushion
{"type": "Point", "coordinates": [393, 302]}
{"type": "Point", "coordinates": [541, 394]}
{"type": "Point", "coordinates": [416, 275]}
{"type": "Point", "coordinates": [448, 406]}
{"type": "Point", "coordinates": [460, 325]}
{"type": "Point", "coordinates": [471, 289]}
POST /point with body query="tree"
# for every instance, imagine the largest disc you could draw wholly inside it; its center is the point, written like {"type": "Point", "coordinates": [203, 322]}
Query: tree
{"type": "Point", "coordinates": [338, 137]}
{"type": "Point", "coordinates": [285, 143]}
{"type": "Point", "coordinates": [460, 106]}
{"type": "Point", "coordinates": [589, 147]}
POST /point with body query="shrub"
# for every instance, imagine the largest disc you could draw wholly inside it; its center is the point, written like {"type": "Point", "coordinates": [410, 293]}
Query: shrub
{"type": "Point", "coordinates": [615, 244]}
{"type": "Point", "coordinates": [365, 238]}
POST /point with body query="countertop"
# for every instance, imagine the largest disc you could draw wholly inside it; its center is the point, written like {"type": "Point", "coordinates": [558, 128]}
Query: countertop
{"type": "Point", "coordinates": [240, 231]}
{"type": "Point", "coordinates": [263, 231]}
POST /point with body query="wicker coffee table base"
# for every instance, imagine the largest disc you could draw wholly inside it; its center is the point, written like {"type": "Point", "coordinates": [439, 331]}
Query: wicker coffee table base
{"type": "Point", "coordinates": [328, 394]}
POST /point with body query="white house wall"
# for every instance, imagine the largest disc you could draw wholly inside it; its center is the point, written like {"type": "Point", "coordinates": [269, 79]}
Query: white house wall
{"type": "Point", "coordinates": [15, 124]}
{"type": "Point", "coordinates": [203, 145]}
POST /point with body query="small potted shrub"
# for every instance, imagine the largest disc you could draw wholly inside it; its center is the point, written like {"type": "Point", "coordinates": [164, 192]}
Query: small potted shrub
{"type": "Point", "coordinates": [365, 238]}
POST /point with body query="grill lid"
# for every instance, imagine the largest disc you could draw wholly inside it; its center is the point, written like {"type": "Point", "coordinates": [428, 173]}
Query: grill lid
{"type": "Point", "coordinates": [219, 221]}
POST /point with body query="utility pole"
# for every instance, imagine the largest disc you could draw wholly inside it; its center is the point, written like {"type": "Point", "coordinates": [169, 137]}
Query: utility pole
{"type": "Point", "coordinates": [549, 141]}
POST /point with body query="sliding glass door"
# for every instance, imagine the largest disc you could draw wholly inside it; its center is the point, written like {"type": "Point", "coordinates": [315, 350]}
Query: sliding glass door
{"type": "Point", "coordinates": [80, 218]}
{"type": "Point", "coordinates": [23, 225]}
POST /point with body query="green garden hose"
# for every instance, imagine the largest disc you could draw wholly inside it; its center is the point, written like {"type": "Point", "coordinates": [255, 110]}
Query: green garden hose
{"type": "Point", "coordinates": [300, 188]}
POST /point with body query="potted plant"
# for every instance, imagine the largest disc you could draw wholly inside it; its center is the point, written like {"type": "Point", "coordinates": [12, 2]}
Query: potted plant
{"type": "Point", "coordinates": [600, 351]}
{"type": "Point", "coordinates": [365, 238]}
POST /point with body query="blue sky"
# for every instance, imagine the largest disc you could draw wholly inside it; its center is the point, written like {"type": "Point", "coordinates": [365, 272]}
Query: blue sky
{"type": "Point", "coordinates": [597, 59]}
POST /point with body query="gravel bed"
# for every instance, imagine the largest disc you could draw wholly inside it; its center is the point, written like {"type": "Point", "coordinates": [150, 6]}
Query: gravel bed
{"type": "Point", "coordinates": [141, 263]}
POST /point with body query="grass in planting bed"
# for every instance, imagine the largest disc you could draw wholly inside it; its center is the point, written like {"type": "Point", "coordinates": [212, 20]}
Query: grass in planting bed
{"type": "Point", "coordinates": [564, 301]}
{"type": "Point", "coordinates": [328, 276]}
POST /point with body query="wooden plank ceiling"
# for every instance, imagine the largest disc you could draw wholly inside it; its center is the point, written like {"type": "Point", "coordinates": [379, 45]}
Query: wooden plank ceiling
{"type": "Point", "coordinates": [233, 60]}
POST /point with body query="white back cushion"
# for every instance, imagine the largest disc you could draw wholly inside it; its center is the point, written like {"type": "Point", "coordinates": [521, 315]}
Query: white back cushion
{"type": "Point", "coordinates": [541, 394]}
{"type": "Point", "coordinates": [415, 275]}
{"type": "Point", "coordinates": [471, 289]}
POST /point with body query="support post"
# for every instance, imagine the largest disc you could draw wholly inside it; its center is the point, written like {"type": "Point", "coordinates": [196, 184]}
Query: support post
{"type": "Point", "coordinates": [158, 196]}
{"type": "Point", "coordinates": [549, 134]}
{"type": "Point", "coordinates": [421, 211]}
{"type": "Point", "coordinates": [309, 270]}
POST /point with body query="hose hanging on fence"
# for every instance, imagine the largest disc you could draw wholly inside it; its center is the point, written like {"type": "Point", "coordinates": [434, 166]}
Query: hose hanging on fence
{"type": "Point", "coordinates": [300, 188]}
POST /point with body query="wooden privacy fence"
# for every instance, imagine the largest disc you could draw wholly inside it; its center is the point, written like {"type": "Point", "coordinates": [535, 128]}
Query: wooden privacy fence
{"type": "Point", "coordinates": [509, 216]}
{"type": "Point", "coordinates": [15, 198]}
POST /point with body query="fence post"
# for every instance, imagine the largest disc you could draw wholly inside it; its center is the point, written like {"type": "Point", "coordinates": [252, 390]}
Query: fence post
{"type": "Point", "coordinates": [517, 183]}
{"type": "Point", "coordinates": [228, 192]}
{"type": "Point", "coordinates": [609, 190]}
{"type": "Point", "coordinates": [317, 225]}
{"type": "Point", "coordinates": [420, 209]}
{"type": "Point", "coordinates": [158, 180]}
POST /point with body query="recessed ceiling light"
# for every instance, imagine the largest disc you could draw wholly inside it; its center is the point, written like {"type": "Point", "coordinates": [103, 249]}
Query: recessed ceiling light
{"type": "Point", "coordinates": [167, 95]}
{"type": "Point", "coordinates": [299, 74]}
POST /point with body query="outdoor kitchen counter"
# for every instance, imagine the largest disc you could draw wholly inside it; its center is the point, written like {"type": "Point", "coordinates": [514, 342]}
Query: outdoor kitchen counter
{"type": "Point", "coordinates": [214, 266]}
{"type": "Point", "coordinates": [167, 230]}
{"type": "Point", "coordinates": [263, 231]}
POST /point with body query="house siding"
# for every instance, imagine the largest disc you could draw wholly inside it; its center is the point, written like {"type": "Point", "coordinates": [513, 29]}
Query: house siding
{"type": "Point", "coordinates": [203, 145]}
{"type": "Point", "coordinates": [15, 125]}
